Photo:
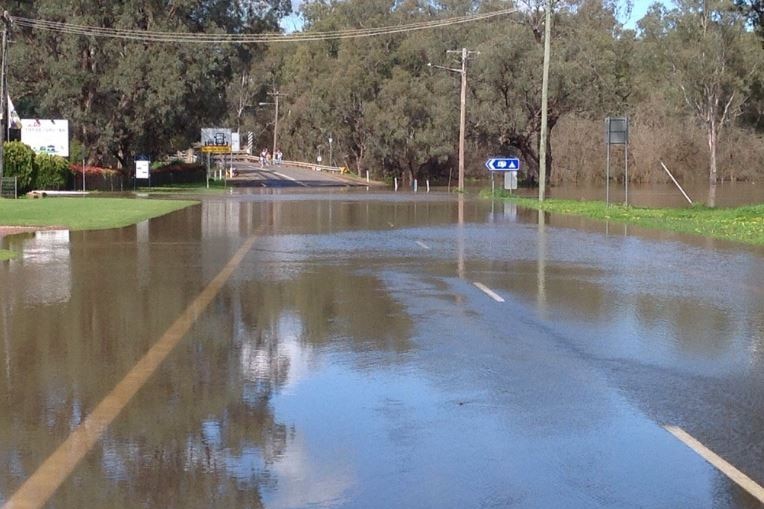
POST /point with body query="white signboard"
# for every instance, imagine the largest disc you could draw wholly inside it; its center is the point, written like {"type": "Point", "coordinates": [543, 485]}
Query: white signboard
{"type": "Point", "coordinates": [235, 143]}
{"type": "Point", "coordinates": [141, 169]}
{"type": "Point", "coordinates": [216, 137]}
{"type": "Point", "coordinates": [46, 136]}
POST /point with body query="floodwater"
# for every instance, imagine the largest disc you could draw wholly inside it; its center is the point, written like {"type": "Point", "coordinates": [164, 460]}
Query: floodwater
{"type": "Point", "coordinates": [348, 359]}
{"type": "Point", "coordinates": [728, 194]}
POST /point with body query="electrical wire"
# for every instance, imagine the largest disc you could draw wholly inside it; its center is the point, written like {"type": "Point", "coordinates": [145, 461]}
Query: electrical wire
{"type": "Point", "coordinates": [228, 38]}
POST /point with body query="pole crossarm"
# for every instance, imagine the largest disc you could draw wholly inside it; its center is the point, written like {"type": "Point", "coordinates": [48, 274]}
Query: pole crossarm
{"type": "Point", "coordinates": [465, 54]}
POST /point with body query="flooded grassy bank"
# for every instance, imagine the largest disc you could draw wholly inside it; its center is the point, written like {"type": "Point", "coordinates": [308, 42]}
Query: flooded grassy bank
{"type": "Point", "coordinates": [741, 224]}
{"type": "Point", "coordinates": [84, 213]}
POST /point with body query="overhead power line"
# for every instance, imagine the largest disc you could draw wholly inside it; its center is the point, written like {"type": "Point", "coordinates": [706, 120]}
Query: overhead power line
{"type": "Point", "coordinates": [228, 38]}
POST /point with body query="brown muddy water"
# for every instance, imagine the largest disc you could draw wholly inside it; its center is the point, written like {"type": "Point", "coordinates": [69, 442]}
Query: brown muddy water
{"type": "Point", "coordinates": [349, 358]}
{"type": "Point", "coordinates": [728, 194]}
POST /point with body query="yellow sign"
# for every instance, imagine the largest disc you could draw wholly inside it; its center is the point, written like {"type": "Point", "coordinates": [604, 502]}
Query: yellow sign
{"type": "Point", "coordinates": [216, 149]}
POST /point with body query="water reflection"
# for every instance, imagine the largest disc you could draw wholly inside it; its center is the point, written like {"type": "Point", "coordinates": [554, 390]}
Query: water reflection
{"type": "Point", "coordinates": [342, 359]}
{"type": "Point", "coordinates": [725, 194]}
{"type": "Point", "coordinates": [47, 255]}
{"type": "Point", "coordinates": [541, 300]}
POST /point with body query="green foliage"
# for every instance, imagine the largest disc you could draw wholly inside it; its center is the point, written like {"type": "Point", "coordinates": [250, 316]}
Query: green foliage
{"type": "Point", "coordinates": [20, 163]}
{"type": "Point", "coordinates": [76, 152]}
{"type": "Point", "coordinates": [124, 98]}
{"type": "Point", "coordinates": [742, 224]}
{"type": "Point", "coordinates": [384, 108]}
{"type": "Point", "coordinates": [52, 172]}
{"type": "Point", "coordinates": [155, 165]}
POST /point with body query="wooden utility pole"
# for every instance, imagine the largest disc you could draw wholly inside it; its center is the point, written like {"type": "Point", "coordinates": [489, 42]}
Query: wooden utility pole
{"type": "Point", "coordinates": [544, 99]}
{"type": "Point", "coordinates": [275, 94]}
{"type": "Point", "coordinates": [3, 93]}
{"type": "Point", "coordinates": [463, 109]}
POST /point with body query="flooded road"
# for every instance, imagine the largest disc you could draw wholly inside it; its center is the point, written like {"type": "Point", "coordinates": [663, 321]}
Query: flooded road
{"type": "Point", "coordinates": [379, 350]}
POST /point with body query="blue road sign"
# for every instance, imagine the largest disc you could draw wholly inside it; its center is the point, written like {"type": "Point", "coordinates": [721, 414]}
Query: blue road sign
{"type": "Point", "coordinates": [503, 164]}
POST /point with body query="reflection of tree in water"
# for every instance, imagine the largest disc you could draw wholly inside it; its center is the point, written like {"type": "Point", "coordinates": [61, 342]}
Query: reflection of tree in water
{"type": "Point", "coordinates": [192, 437]}
{"type": "Point", "coordinates": [330, 306]}
{"type": "Point", "coordinates": [202, 432]}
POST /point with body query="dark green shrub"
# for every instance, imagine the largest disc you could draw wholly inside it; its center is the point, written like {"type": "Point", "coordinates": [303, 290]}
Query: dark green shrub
{"type": "Point", "coordinates": [20, 163]}
{"type": "Point", "coordinates": [52, 172]}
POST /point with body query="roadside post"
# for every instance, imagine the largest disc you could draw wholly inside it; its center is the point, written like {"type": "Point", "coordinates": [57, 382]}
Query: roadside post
{"type": "Point", "coordinates": [617, 133]}
{"type": "Point", "coordinates": [507, 165]}
{"type": "Point", "coordinates": [216, 140]}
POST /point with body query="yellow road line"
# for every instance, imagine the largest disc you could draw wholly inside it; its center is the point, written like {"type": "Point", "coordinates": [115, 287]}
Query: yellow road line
{"type": "Point", "coordinates": [41, 485]}
{"type": "Point", "coordinates": [717, 461]}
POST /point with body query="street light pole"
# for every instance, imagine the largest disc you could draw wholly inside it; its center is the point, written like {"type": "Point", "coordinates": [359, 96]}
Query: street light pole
{"type": "Point", "coordinates": [330, 151]}
{"type": "Point", "coordinates": [465, 53]}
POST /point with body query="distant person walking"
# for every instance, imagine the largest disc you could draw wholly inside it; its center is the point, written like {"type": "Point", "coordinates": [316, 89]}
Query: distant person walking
{"type": "Point", "coordinates": [279, 157]}
{"type": "Point", "coordinates": [263, 154]}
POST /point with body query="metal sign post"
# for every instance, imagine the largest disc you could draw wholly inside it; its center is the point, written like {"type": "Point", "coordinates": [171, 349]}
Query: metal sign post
{"type": "Point", "coordinates": [507, 165]}
{"type": "Point", "coordinates": [617, 133]}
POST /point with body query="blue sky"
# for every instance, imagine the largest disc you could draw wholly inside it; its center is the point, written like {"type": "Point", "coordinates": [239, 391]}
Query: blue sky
{"type": "Point", "coordinates": [293, 23]}
{"type": "Point", "coordinates": [640, 9]}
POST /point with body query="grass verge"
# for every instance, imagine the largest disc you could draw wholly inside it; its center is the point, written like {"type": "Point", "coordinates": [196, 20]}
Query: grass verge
{"type": "Point", "coordinates": [741, 224]}
{"type": "Point", "coordinates": [84, 213]}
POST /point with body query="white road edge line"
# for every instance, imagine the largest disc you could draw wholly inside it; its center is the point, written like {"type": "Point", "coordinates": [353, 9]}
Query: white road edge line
{"type": "Point", "coordinates": [495, 296]}
{"type": "Point", "coordinates": [717, 461]}
{"type": "Point", "coordinates": [422, 244]}
{"type": "Point", "coordinates": [303, 184]}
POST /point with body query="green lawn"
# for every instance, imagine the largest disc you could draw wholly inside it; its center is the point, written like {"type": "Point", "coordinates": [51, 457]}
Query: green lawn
{"type": "Point", "coordinates": [84, 213]}
{"type": "Point", "coordinates": [6, 255]}
{"type": "Point", "coordinates": [742, 224]}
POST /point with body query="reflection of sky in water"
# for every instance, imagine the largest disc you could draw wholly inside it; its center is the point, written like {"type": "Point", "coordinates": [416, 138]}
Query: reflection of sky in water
{"type": "Point", "coordinates": [245, 466]}
{"type": "Point", "coordinates": [391, 439]}
{"type": "Point", "coordinates": [49, 280]}
{"type": "Point", "coordinates": [282, 359]}
{"type": "Point", "coordinates": [308, 479]}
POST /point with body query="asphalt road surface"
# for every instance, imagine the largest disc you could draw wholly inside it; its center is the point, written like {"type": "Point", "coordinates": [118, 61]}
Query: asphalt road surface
{"type": "Point", "coordinates": [253, 175]}
{"type": "Point", "coordinates": [353, 349]}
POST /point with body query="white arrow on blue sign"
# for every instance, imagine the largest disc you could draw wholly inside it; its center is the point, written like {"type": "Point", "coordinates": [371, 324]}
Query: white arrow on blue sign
{"type": "Point", "coordinates": [503, 164]}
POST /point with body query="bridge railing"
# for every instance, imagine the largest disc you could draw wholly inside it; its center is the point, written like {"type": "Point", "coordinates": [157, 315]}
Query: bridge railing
{"type": "Point", "coordinates": [248, 158]}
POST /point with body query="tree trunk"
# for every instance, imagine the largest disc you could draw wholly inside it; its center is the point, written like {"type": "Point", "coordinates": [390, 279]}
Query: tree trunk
{"type": "Point", "coordinates": [712, 139]}
{"type": "Point", "coordinates": [530, 155]}
{"type": "Point", "coordinates": [712, 174]}
{"type": "Point", "coordinates": [549, 157]}
{"type": "Point", "coordinates": [711, 201]}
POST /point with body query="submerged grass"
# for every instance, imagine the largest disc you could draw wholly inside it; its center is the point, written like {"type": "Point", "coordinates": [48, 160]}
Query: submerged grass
{"type": "Point", "coordinates": [84, 213]}
{"type": "Point", "coordinates": [741, 224]}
